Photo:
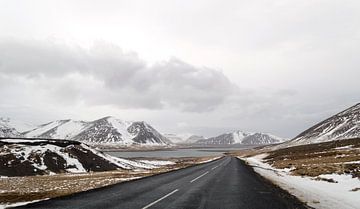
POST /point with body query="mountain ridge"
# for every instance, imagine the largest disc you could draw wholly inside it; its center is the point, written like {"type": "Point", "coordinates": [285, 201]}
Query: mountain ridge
{"type": "Point", "coordinates": [342, 125]}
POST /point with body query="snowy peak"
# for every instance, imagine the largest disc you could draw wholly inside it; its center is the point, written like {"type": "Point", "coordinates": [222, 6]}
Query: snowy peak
{"type": "Point", "coordinates": [6, 129]}
{"type": "Point", "coordinates": [185, 138]}
{"type": "Point", "coordinates": [343, 125]}
{"type": "Point", "coordinates": [104, 130]}
{"type": "Point", "coordinates": [59, 129]}
{"type": "Point", "coordinates": [146, 134]}
{"type": "Point", "coordinates": [241, 137]}
{"type": "Point", "coordinates": [262, 138]}
{"type": "Point", "coordinates": [194, 138]}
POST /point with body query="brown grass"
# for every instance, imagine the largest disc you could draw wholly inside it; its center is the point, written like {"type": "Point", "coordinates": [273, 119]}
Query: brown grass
{"type": "Point", "coordinates": [20, 189]}
{"type": "Point", "coordinates": [314, 159]}
{"type": "Point", "coordinates": [324, 158]}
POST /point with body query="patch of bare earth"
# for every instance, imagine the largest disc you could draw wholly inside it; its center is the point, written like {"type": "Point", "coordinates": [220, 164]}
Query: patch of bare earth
{"type": "Point", "coordinates": [29, 188]}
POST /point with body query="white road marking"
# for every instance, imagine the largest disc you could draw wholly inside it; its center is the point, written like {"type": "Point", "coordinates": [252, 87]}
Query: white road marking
{"type": "Point", "coordinates": [158, 200]}
{"type": "Point", "coordinates": [214, 167]}
{"type": "Point", "coordinates": [199, 176]}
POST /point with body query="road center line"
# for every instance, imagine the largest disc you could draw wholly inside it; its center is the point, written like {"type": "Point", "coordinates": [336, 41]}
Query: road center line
{"type": "Point", "coordinates": [214, 167]}
{"type": "Point", "coordinates": [158, 200]}
{"type": "Point", "coordinates": [199, 176]}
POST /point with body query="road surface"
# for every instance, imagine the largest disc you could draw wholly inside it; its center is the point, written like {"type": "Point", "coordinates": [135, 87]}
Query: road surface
{"type": "Point", "coordinates": [226, 183]}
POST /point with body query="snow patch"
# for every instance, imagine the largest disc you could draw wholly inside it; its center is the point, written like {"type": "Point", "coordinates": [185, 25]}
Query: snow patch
{"type": "Point", "coordinates": [6, 205]}
{"type": "Point", "coordinates": [157, 162]}
{"type": "Point", "coordinates": [317, 194]}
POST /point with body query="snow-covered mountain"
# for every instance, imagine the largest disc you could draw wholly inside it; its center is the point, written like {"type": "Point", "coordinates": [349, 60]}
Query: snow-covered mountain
{"type": "Point", "coordinates": [194, 138]}
{"type": "Point", "coordinates": [104, 130]}
{"type": "Point", "coordinates": [25, 157]}
{"type": "Point", "coordinates": [183, 138]}
{"type": "Point", "coordinates": [6, 128]}
{"type": "Point", "coordinates": [343, 125]}
{"type": "Point", "coordinates": [177, 138]}
{"type": "Point", "coordinates": [240, 137]}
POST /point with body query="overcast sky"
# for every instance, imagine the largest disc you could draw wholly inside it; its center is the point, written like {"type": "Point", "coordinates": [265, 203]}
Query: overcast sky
{"type": "Point", "coordinates": [203, 67]}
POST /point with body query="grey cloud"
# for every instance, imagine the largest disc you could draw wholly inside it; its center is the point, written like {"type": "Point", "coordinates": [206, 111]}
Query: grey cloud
{"type": "Point", "coordinates": [37, 58]}
{"type": "Point", "coordinates": [286, 92]}
{"type": "Point", "coordinates": [105, 74]}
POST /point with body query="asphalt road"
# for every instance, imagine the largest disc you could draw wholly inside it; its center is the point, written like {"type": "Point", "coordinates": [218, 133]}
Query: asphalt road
{"type": "Point", "coordinates": [226, 183]}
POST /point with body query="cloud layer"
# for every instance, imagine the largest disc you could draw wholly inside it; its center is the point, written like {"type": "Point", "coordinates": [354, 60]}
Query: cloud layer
{"type": "Point", "coordinates": [104, 74]}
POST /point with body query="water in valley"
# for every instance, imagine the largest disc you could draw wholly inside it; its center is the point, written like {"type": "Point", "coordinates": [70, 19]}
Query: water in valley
{"type": "Point", "coordinates": [175, 153]}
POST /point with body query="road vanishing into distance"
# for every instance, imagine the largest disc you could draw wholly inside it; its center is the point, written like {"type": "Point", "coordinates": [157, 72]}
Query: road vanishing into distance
{"type": "Point", "coordinates": [226, 183]}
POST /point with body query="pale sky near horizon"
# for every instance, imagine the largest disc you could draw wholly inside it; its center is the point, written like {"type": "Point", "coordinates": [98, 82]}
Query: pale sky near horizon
{"type": "Point", "coordinates": [202, 67]}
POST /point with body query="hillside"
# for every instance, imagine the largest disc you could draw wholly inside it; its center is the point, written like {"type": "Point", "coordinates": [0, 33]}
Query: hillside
{"type": "Point", "coordinates": [344, 125]}
{"type": "Point", "coordinates": [26, 157]}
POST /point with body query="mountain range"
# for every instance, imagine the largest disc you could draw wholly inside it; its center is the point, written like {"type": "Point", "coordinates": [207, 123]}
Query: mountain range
{"type": "Point", "coordinates": [110, 130]}
{"type": "Point", "coordinates": [343, 125]}
{"type": "Point", "coordinates": [104, 130]}
{"type": "Point", "coordinates": [241, 137]}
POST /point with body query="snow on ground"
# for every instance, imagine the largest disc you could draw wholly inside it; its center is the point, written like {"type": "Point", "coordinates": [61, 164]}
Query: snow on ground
{"type": "Point", "coordinates": [345, 147]}
{"type": "Point", "coordinates": [344, 194]}
{"type": "Point", "coordinates": [131, 164]}
{"type": "Point", "coordinates": [123, 163]}
{"type": "Point", "coordinates": [26, 151]}
{"type": "Point", "coordinates": [11, 205]}
{"type": "Point", "coordinates": [23, 140]}
{"type": "Point", "coordinates": [157, 162]}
